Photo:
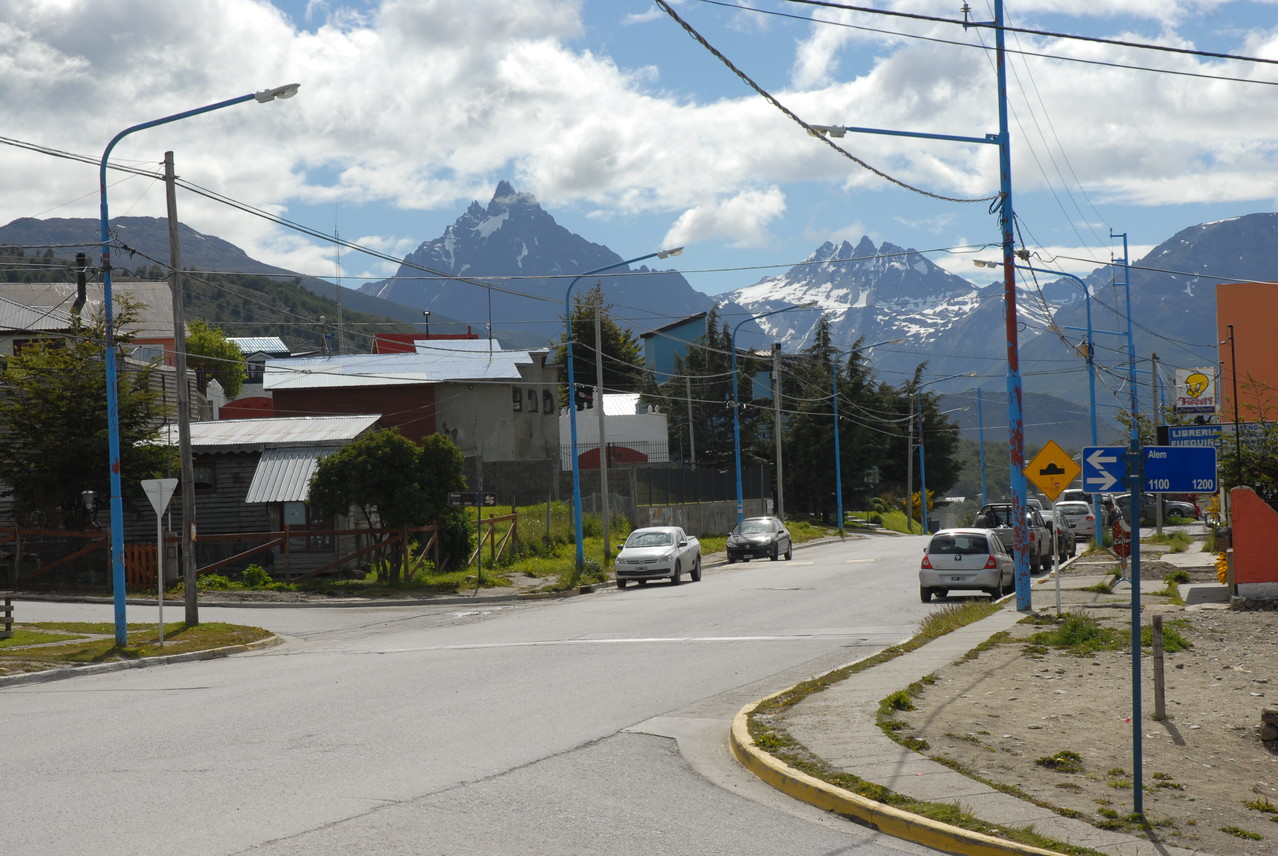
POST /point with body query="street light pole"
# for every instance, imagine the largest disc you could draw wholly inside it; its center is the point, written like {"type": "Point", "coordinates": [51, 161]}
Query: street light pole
{"type": "Point", "coordinates": [736, 403]}
{"type": "Point", "coordinates": [918, 393]}
{"type": "Point", "coordinates": [1098, 535]}
{"type": "Point", "coordinates": [572, 390]}
{"type": "Point", "coordinates": [112, 382]}
{"type": "Point", "coordinates": [834, 389]}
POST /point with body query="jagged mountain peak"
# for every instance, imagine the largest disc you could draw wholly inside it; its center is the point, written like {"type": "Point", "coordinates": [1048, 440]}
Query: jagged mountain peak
{"type": "Point", "coordinates": [514, 236]}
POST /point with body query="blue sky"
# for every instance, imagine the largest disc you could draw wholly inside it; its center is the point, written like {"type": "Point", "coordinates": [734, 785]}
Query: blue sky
{"type": "Point", "coordinates": [633, 135]}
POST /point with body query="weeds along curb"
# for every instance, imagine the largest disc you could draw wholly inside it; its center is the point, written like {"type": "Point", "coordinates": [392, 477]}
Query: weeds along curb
{"type": "Point", "coordinates": [877, 816]}
{"type": "Point", "coordinates": [141, 663]}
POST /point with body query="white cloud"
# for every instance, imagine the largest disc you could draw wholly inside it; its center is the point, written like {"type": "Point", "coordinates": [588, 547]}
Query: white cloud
{"type": "Point", "coordinates": [421, 105]}
{"type": "Point", "coordinates": [741, 220]}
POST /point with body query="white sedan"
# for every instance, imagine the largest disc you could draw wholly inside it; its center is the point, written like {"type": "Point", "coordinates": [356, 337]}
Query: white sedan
{"type": "Point", "coordinates": [658, 552]}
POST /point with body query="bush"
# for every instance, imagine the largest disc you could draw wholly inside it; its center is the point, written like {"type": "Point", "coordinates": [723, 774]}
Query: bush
{"type": "Point", "coordinates": [255, 576]}
{"type": "Point", "coordinates": [215, 582]}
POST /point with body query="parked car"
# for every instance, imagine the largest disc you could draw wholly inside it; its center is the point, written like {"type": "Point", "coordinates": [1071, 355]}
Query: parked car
{"type": "Point", "coordinates": [998, 516]}
{"type": "Point", "coordinates": [757, 537]}
{"type": "Point", "coordinates": [965, 560]}
{"type": "Point", "coordinates": [658, 552]}
{"type": "Point", "coordinates": [1148, 504]}
{"type": "Point", "coordinates": [1078, 516]}
{"type": "Point", "coordinates": [1074, 494]}
{"type": "Point", "coordinates": [1062, 536]}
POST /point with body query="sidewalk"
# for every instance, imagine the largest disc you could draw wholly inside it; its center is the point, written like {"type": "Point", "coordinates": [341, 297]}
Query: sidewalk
{"type": "Point", "coordinates": [839, 725]}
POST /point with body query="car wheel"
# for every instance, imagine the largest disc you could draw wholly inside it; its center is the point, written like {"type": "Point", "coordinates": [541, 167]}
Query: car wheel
{"type": "Point", "coordinates": [731, 560]}
{"type": "Point", "coordinates": [789, 551]}
{"type": "Point", "coordinates": [696, 570]}
{"type": "Point", "coordinates": [776, 552]}
{"type": "Point", "coordinates": [675, 578]}
{"type": "Point", "coordinates": [925, 594]}
{"type": "Point", "coordinates": [622, 583]}
{"type": "Point", "coordinates": [1046, 562]}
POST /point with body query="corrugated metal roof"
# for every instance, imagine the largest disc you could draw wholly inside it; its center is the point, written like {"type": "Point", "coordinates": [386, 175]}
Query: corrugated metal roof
{"type": "Point", "coordinates": [272, 345]}
{"type": "Point", "coordinates": [436, 361]}
{"type": "Point", "coordinates": [155, 300]}
{"type": "Point", "coordinates": [284, 475]}
{"type": "Point", "coordinates": [19, 316]}
{"type": "Point", "coordinates": [280, 431]}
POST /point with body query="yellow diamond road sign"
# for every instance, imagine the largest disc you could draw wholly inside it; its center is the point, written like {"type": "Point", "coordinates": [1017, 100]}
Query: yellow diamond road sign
{"type": "Point", "coordinates": [1052, 470]}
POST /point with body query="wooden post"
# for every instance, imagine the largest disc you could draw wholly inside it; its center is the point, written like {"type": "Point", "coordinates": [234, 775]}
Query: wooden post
{"type": "Point", "coordinates": [1160, 694]}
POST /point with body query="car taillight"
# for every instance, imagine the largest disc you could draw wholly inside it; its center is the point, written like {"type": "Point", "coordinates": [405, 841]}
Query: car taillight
{"type": "Point", "coordinates": [927, 565]}
{"type": "Point", "coordinates": [1091, 517]}
{"type": "Point", "coordinates": [991, 563]}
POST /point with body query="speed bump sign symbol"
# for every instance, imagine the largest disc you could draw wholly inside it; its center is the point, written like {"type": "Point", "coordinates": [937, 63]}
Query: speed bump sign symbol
{"type": "Point", "coordinates": [1052, 470]}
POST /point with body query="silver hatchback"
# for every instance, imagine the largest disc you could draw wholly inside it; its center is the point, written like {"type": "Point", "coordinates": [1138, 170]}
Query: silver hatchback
{"type": "Point", "coordinates": [965, 560]}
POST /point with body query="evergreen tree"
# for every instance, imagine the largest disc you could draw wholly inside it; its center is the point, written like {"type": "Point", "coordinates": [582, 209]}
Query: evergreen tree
{"type": "Point", "coordinates": [623, 362]}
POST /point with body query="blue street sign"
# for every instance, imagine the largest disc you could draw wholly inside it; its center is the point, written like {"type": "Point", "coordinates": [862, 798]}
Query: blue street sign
{"type": "Point", "coordinates": [1180, 469]}
{"type": "Point", "coordinates": [1103, 467]}
{"type": "Point", "coordinates": [1193, 435]}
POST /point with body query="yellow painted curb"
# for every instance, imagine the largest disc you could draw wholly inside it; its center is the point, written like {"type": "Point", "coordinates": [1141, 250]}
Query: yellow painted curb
{"type": "Point", "coordinates": [876, 815]}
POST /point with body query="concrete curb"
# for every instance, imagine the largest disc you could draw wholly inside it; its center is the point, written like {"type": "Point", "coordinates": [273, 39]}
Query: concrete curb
{"type": "Point", "coordinates": [883, 818]}
{"type": "Point", "coordinates": [49, 675]}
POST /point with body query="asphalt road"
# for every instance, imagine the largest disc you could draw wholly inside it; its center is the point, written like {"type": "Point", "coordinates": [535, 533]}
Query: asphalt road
{"type": "Point", "coordinates": [587, 725]}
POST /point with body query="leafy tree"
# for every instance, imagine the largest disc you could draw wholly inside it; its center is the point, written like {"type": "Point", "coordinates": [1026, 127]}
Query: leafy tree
{"type": "Point", "coordinates": [208, 350]}
{"type": "Point", "coordinates": [53, 410]}
{"type": "Point", "coordinates": [394, 483]}
{"type": "Point", "coordinates": [623, 361]}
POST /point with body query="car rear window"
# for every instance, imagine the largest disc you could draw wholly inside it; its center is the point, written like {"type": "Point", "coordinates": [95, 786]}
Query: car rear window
{"type": "Point", "coordinates": [964, 545]}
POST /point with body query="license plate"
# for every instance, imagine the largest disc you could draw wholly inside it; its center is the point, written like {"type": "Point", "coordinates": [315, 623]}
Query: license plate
{"type": "Point", "coordinates": [957, 579]}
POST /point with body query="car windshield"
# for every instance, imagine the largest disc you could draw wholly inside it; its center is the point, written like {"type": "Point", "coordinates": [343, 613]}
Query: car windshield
{"type": "Point", "coordinates": [960, 544]}
{"type": "Point", "coordinates": [755, 527]}
{"type": "Point", "coordinates": [650, 539]}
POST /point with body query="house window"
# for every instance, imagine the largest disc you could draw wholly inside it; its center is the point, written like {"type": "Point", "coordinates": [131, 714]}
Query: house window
{"type": "Point", "coordinates": [532, 401]}
{"type": "Point", "coordinates": [547, 401]}
{"type": "Point", "coordinates": [299, 517]}
{"type": "Point", "coordinates": [517, 399]}
{"type": "Point", "coordinates": [204, 477]}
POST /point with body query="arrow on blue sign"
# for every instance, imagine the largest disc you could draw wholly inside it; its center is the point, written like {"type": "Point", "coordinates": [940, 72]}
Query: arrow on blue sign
{"type": "Point", "coordinates": [1103, 467]}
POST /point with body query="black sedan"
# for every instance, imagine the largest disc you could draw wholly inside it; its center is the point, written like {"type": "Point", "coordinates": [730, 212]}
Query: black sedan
{"type": "Point", "coordinates": [757, 537]}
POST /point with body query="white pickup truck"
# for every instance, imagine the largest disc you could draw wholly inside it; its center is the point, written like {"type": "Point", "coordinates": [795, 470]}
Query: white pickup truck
{"type": "Point", "coordinates": [657, 553]}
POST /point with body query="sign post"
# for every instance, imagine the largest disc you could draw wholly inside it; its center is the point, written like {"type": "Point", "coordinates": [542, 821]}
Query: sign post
{"type": "Point", "coordinates": [1051, 471]}
{"type": "Point", "coordinates": [159, 492]}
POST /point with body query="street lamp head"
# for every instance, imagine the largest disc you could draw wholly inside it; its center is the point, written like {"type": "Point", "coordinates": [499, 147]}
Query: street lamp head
{"type": "Point", "coordinates": [985, 264]}
{"type": "Point", "coordinates": [288, 90]}
{"type": "Point", "coordinates": [664, 254]}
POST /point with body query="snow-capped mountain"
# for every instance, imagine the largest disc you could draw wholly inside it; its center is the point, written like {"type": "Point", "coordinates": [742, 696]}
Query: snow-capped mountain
{"type": "Point", "coordinates": [514, 245]}
{"type": "Point", "coordinates": [886, 294]}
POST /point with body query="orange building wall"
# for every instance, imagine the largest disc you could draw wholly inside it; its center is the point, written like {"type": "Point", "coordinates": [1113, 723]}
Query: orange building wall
{"type": "Point", "coordinates": [1252, 307]}
{"type": "Point", "coordinates": [1254, 523]}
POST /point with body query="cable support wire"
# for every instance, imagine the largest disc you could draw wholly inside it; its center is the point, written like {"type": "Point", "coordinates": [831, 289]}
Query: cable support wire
{"type": "Point", "coordinates": [771, 99]}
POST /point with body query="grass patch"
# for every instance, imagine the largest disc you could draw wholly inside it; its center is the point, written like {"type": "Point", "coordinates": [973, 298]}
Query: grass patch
{"type": "Point", "coordinates": [1237, 832]}
{"type": "Point", "coordinates": [24, 635]}
{"type": "Point", "coordinates": [142, 640]}
{"type": "Point", "coordinates": [1262, 804]}
{"type": "Point", "coordinates": [1177, 542]}
{"type": "Point", "coordinates": [1064, 761]}
{"type": "Point", "coordinates": [1080, 634]}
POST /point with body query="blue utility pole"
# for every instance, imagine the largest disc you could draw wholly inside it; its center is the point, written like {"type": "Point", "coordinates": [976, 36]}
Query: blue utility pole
{"type": "Point", "coordinates": [112, 381]}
